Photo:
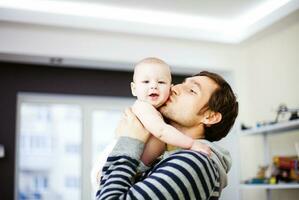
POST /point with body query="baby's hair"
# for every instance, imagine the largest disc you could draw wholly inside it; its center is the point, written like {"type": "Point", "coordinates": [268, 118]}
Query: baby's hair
{"type": "Point", "coordinates": [150, 60]}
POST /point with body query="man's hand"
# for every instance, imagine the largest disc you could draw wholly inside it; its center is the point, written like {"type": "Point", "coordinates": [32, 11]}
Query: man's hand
{"type": "Point", "coordinates": [130, 126]}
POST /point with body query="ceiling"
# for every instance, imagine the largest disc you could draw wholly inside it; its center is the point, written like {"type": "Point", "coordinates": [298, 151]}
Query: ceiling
{"type": "Point", "coordinates": [225, 21]}
{"type": "Point", "coordinates": [225, 9]}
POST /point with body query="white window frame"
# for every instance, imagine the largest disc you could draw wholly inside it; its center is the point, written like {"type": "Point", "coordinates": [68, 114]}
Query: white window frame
{"type": "Point", "coordinates": [88, 104]}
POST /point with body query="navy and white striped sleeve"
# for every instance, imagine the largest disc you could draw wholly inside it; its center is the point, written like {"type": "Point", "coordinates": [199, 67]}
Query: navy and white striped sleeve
{"type": "Point", "coordinates": [183, 175]}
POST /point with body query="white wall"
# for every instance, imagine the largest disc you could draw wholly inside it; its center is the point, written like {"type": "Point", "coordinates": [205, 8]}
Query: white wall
{"type": "Point", "coordinates": [271, 62]}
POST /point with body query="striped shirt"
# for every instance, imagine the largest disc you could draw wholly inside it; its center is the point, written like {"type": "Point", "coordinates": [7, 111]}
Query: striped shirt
{"type": "Point", "coordinates": [184, 174]}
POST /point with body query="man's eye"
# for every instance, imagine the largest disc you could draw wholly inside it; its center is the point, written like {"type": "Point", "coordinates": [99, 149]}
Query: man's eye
{"type": "Point", "coordinates": [161, 82]}
{"type": "Point", "coordinates": [192, 91]}
{"type": "Point", "coordinates": [145, 81]}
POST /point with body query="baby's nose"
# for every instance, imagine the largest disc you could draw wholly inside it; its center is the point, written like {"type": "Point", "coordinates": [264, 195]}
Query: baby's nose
{"type": "Point", "coordinates": [154, 85]}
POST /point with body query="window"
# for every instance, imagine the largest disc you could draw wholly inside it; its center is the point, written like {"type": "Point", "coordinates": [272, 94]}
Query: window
{"type": "Point", "coordinates": [72, 148]}
{"type": "Point", "coordinates": [72, 182]}
{"type": "Point", "coordinates": [59, 138]}
{"type": "Point", "coordinates": [103, 125]}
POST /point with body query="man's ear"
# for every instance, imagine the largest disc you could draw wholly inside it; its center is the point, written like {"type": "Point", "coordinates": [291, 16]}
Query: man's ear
{"type": "Point", "coordinates": [211, 117]}
{"type": "Point", "coordinates": [133, 89]}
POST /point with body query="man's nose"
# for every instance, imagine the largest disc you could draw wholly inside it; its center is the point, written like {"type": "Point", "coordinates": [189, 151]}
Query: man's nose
{"type": "Point", "coordinates": [175, 89]}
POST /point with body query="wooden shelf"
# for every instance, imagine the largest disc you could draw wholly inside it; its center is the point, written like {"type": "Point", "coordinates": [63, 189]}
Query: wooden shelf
{"type": "Point", "coordinates": [273, 128]}
{"type": "Point", "coordinates": [271, 187]}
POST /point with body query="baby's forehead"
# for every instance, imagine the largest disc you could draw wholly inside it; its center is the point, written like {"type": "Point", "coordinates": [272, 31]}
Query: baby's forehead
{"type": "Point", "coordinates": [152, 70]}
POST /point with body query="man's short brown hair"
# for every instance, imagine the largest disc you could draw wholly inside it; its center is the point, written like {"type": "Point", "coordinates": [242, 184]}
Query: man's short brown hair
{"type": "Point", "coordinates": [224, 101]}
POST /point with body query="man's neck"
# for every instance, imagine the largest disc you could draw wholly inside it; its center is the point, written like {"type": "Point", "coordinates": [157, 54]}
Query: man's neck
{"type": "Point", "coordinates": [196, 132]}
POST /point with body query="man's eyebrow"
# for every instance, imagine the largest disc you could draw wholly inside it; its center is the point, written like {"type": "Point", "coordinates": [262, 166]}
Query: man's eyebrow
{"type": "Point", "coordinates": [194, 82]}
{"type": "Point", "coordinates": [198, 84]}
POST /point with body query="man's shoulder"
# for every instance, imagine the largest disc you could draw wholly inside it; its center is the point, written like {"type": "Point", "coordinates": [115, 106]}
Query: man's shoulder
{"type": "Point", "coordinates": [188, 169]}
{"type": "Point", "coordinates": [188, 159]}
{"type": "Point", "coordinates": [185, 153]}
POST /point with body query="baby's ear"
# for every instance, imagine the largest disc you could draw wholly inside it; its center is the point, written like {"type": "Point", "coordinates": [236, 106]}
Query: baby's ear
{"type": "Point", "coordinates": [133, 89]}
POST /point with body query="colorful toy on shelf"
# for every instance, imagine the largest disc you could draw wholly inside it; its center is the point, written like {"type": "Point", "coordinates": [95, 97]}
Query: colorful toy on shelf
{"type": "Point", "coordinates": [288, 168]}
{"type": "Point", "coordinates": [284, 169]}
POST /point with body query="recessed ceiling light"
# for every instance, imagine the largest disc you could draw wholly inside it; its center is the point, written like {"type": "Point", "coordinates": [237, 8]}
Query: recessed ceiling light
{"type": "Point", "coordinates": [232, 28]}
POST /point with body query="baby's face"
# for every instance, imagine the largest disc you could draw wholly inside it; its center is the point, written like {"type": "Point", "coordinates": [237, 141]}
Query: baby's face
{"type": "Point", "coordinates": [152, 83]}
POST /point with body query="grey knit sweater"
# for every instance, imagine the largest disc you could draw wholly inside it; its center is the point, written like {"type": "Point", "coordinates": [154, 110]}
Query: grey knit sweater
{"type": "Point", "coordinates": [180, 174]}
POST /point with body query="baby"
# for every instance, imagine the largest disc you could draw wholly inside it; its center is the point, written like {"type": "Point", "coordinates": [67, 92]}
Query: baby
{"type": "Point", "coordinates": [151, 85]}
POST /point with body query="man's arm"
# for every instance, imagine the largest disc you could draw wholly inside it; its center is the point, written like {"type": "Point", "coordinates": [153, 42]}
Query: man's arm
{"type": "Point", "coordinates": [183, 175]}
{"type": "Point", "coordinates": [154, 123]}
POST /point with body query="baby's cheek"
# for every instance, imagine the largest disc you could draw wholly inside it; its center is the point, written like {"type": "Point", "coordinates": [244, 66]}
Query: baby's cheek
{"type": "Point", "coordinates": [166, 93]}
{"type": "Point", "coordinates": [164, 99]}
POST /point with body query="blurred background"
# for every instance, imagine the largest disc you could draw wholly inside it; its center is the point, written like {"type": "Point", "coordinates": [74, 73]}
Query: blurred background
{"type": "Point", "coordinates": [65, 73]}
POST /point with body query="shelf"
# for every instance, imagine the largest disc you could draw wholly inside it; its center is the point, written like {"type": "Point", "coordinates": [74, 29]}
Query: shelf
{"type": "Point", "coordinates": [273, 128]}
{"type": "Point", "coordinates": [271, 187]}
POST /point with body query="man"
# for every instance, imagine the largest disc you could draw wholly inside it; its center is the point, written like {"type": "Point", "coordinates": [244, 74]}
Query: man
{"type": "Point", "coordinates": [203, 107]}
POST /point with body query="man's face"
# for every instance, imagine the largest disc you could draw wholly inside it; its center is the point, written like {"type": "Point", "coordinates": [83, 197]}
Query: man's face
{"type": "Point", "coordinates": [187, 99]}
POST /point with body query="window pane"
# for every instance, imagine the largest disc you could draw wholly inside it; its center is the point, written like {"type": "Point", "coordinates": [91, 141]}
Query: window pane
{"type": "Point", "coordinates": [104, 123]}
{"type": "Point", "coordinates": [49, 151]}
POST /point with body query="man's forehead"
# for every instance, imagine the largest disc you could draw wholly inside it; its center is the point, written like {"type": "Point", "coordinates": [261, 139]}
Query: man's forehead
{"type": "Point", "coordinates": [202, 81]}
{"type": "Point", "coordinates": [197, 79]}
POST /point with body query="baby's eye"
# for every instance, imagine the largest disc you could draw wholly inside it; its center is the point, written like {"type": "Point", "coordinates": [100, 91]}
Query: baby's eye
{"type": "Point", "coordinates": [145, 81]}
{"type": "Point", "coordinates": [161, 82]}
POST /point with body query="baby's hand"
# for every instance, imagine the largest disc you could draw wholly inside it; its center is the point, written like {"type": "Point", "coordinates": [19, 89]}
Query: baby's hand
{"type": "Point", "coordinates": [201, 147]}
